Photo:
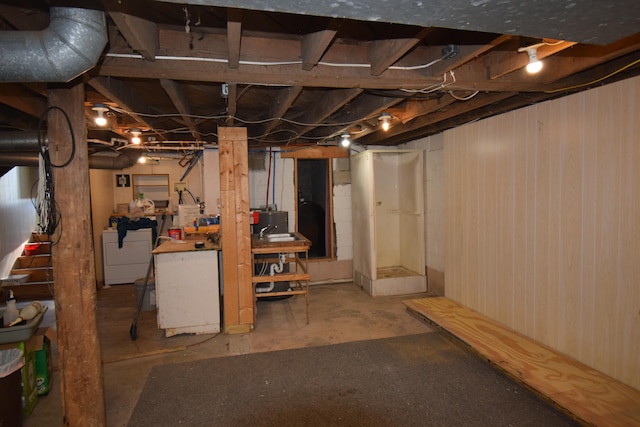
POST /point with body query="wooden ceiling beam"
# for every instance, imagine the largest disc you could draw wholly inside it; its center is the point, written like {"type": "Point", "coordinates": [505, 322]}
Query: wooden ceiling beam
{"type": "Point", "coordinates": [399, 134]}
{"type": "Point", "coordinates": [21, 98]}
{"type": "Point", "coordinates": [502, 62]}
{"type": "Point", "coordinates": [331, 102]}
{"type": "Point", "coordinates": [204, 60]}
{"type": "Point", "coordinates": [234, 36]}
{"type": "Point", "coordinates": [384, 53]}
{"type": "Point", "coordinates": [181, 103]}
{"type": "Point", "coordinates": [284, 100]}
{"type": "Point", "coordinates": [360, 109]}
{"type": "Point", "coordinates": [140, 34]}
{"type": "Point", "coordinates": [314, 45]}
{"type": "Point", "coordinates": [581, 58]}
{"type": "Point", "coordinates": [121, 94]}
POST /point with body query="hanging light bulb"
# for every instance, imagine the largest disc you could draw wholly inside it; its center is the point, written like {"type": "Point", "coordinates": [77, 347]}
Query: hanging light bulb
{"type": "Point", "coordinates": [385, 118]}
{"type": "Point", "coordinates": [534, 65]}
{"type": "Point", "coordinates": [100, 119]}
{"type": "Point", "coordinates": [142, 159]}
{"type": "Point", "coordinates": [345, 142]}
{"type": "Point", "coordinates": [135, 139]}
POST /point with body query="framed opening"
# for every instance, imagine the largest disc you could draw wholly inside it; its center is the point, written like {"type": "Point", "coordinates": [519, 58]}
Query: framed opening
{"type": "Point", "coordinates": [314, 213]}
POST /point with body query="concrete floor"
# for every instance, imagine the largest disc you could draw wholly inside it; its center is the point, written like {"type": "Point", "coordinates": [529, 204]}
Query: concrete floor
{"type": "Point", "coordinates": [338, 313]}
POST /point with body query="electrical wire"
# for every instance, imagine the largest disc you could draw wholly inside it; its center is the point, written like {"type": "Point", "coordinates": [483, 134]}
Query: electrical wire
{"type": "Point", "coordinates": [73, 139]}
{"type": "Point", "coordinates": [49, 216]}
{"type": "Point", "coordinates": [637, 61]}
{"type": "Point", "coordinates": [271, 63]}
{"type": "Point", "coordinates": [466, 98]}
{"type": "Point", "coordinates": [266, 204]}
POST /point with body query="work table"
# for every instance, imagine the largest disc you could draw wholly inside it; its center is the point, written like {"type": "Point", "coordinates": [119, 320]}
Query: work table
{"type": "Point", "coordinates": [171, 245]}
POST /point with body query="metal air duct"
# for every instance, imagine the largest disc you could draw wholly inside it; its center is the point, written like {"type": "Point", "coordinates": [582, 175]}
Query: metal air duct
{"type": "Point", "coordinates": [123, 161]}
{"type": "Point", "coordinates": [70, 46]}
{"type": "Point", "coordinates": [20, 141]}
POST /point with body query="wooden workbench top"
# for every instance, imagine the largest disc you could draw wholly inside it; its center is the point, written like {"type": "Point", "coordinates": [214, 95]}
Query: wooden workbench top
{"type": "Point", "coordinates": [171, 245]}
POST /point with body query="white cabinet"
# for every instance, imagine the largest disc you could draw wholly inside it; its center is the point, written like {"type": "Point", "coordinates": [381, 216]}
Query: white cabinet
{"type": "Point", "coordinates": [187, 291]}
{"type": "Point", "coordinates": [388, 221]}
{"type": "Point", "coordinates": [154, 187]}
{"type": "Point", "coordinates": [131, 261]}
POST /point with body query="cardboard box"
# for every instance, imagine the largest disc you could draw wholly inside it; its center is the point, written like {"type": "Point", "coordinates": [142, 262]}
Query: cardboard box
{"type": "Point", "coordinates": [28, 375]}
{"type": "Point", "coordinates": [43, 361]}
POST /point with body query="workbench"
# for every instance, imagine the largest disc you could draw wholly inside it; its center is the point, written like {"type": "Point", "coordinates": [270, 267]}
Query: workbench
{"type": "Point", "coordinates": [297, 256]}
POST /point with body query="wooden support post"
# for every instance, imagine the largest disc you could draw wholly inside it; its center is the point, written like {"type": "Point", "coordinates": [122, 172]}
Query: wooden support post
{"type": "Point", "coordinates": [239, 312]}
{"type": "Point", "coordinates": [81, 377]}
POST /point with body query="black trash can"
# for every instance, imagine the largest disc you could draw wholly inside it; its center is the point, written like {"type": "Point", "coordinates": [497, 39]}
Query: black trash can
{"type": "Point", "coordinates": [11, 387]}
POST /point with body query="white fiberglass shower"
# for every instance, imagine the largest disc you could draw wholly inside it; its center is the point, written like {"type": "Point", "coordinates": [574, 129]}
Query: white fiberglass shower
{"type": "Point", "coordinates": [388, 221]}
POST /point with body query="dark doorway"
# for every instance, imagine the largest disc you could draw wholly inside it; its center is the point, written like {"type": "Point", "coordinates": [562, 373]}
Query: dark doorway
{"type": "Point", "coordinates": [313, 213]}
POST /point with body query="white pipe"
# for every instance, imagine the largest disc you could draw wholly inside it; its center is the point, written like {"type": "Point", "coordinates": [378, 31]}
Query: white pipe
{"type": "Point", "coordinates": [275, 268]}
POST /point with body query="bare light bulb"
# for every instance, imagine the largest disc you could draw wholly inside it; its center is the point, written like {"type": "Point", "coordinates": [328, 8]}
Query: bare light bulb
{"type": "Point", "coordinates": [534, 66]}
{"type": "Point", "coordinates": [100, 119]}
{"type": "Point", "coordinates": [385, 118]}
{"type": "Point", "coordinates": [345, 142]}
{"type": "Point", "coordinates": [135, 139]}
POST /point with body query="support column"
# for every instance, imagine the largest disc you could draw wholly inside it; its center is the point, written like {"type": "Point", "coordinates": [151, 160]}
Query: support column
{"type": "Point", "coordinates": [81, 377]}
{"type": "Point", "coordinates": [239, 312]}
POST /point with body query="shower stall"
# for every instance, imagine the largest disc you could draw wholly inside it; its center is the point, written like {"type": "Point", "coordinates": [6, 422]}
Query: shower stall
{"type": "Point", "coordinates": [388, 222]}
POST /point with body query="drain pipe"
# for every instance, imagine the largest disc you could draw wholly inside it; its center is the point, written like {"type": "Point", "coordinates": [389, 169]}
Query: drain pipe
{"type": "Point", "coordinates": [71, 45]}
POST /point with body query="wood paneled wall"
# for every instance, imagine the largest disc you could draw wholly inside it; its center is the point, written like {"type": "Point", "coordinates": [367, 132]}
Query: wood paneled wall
{"type": "Point", "coordinates": [542, 220]}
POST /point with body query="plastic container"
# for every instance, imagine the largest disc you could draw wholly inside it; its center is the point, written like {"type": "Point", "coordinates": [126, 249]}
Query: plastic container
{"type": "Point", "coordinates": [149, 297]}
{"type": "Point", "coordinates": [11, 361]}
{"type": "Point", "coordinates": [31, 248]}
{"type": "Point", "coordinates": [15, 279]}
{"type": "Point", "coordinates": [11, 312]}
{"type": "Point", "coordinates": [20, 333]}
{"type": "Point", "coordinates": [175, 233]}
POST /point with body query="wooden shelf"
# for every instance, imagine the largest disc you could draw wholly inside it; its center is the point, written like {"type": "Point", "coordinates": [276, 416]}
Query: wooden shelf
{"type": "Point", "coordinates": [297, 257]}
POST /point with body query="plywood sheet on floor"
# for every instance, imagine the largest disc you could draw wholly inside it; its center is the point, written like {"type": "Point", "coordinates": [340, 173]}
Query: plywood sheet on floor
{"type": "Point", "coordinates": [588, 394]}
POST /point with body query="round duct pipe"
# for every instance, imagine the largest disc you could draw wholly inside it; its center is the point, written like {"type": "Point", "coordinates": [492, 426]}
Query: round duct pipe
{"type": "Point", "coordinates": [123, 161]}
{"type": "Point", "coordinates": [71, 45]}
{"type": "Point", "coordinates": [20, 141]}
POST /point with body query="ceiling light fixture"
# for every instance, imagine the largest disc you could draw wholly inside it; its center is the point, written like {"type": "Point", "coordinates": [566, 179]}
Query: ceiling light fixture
{"type": "Point", "coordinates": [385, 118]}
{"type": "Point", "coordinates": [100, 119]}
{"type": "Point", "coordinates": [345, 141]}
{"type": "Point", "coordinates": [136, 136]}
{"type": "Point", "coordinates": [534, 65]}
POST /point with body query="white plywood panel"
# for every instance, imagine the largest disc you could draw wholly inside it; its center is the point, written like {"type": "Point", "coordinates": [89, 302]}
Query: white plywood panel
{"type": "Point", "coordinates": [362, 214]}
{"type": "Point", "coordinates": [187, 292]}
{"type": "Point", "coordinates": [542, 228]}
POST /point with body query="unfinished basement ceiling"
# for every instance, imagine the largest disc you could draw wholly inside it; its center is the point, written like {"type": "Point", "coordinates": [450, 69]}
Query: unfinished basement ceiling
{"type": "Point", "coordinates": [304, 72]}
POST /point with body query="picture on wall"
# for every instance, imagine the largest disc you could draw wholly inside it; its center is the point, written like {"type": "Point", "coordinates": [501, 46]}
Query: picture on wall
{"type": "Point", "coordinates": [123, 180]}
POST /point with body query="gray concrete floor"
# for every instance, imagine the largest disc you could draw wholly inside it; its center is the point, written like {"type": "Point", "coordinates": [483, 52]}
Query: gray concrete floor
{"type": "Point", "coordinates": [338, 313]}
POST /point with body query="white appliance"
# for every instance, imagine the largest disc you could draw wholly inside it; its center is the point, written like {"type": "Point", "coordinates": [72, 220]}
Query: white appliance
{"type": "Point", "coordinates": [187, 292]}
{"type": "Point", "coordinates": [130, 262]}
